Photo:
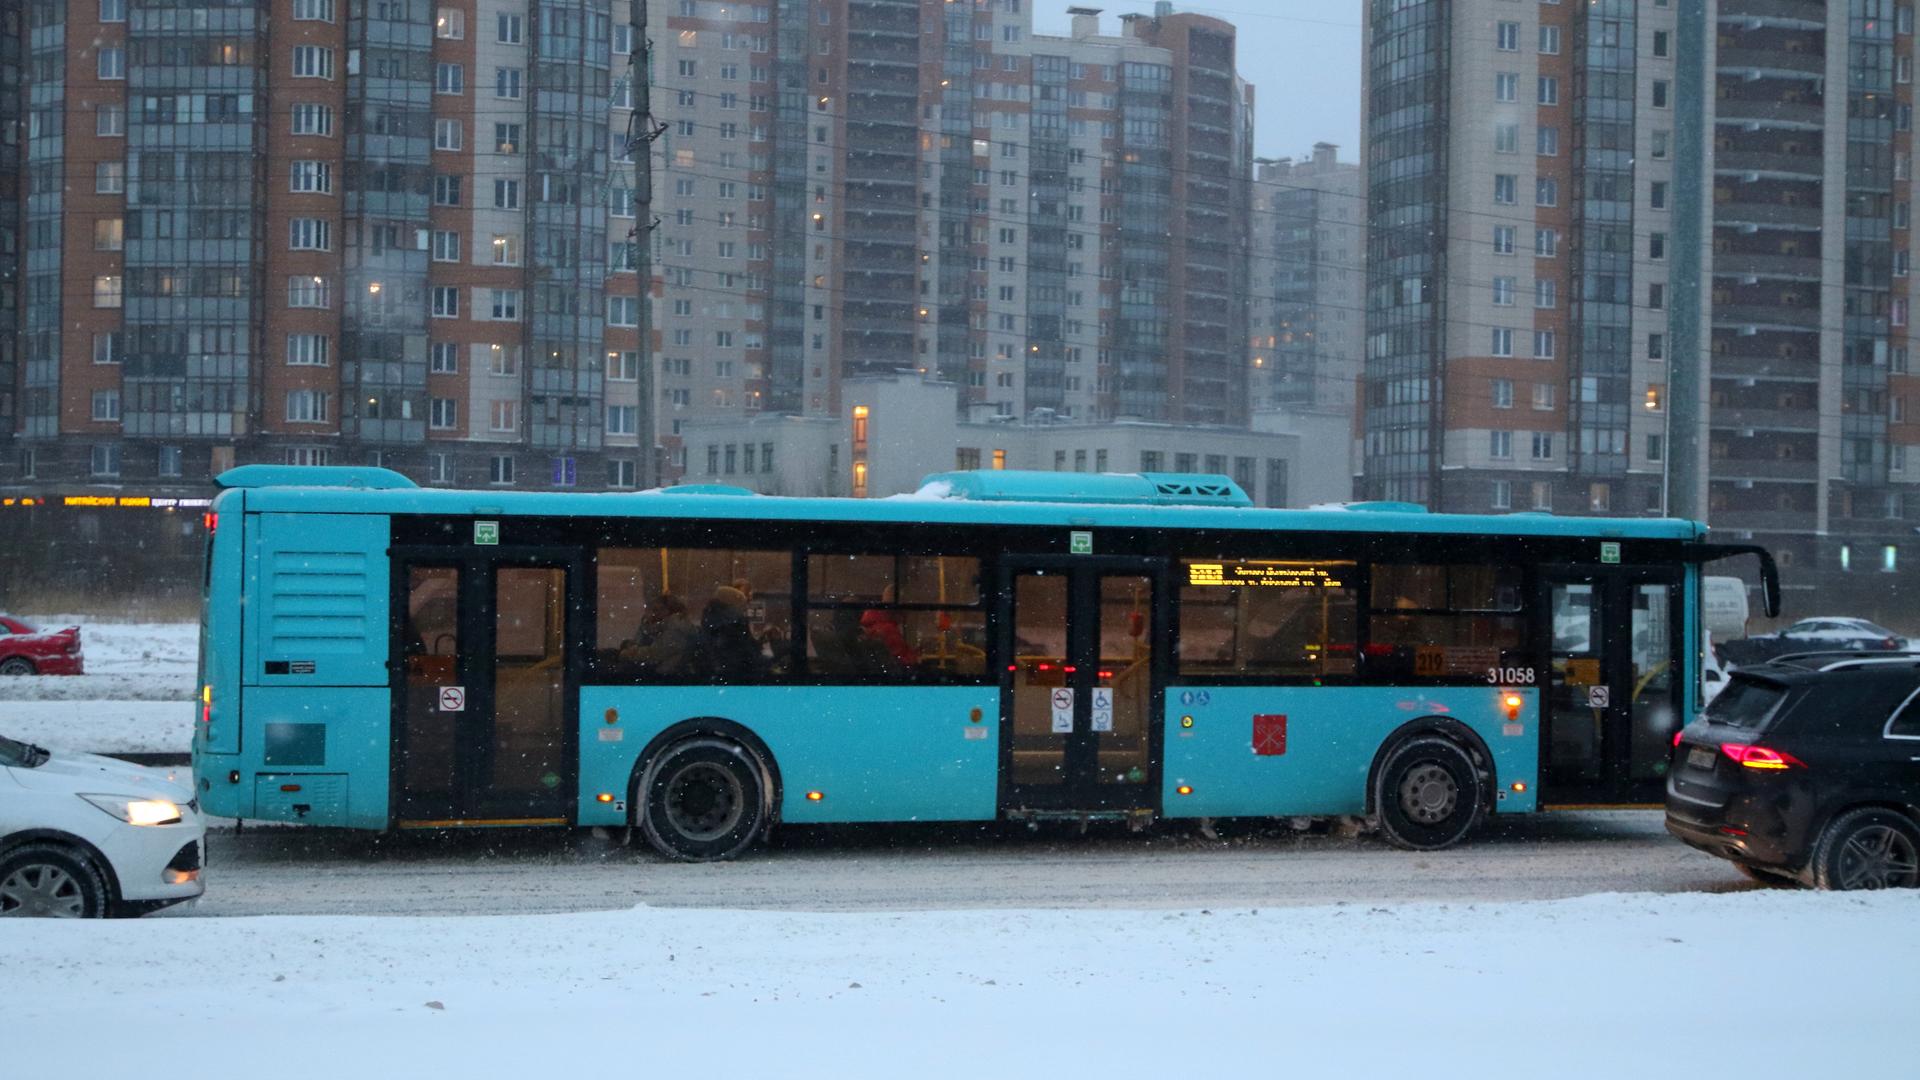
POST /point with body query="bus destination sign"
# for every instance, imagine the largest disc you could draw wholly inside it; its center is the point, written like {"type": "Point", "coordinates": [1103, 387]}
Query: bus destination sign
{"type": "Point", "coordinates": [1285, 575]}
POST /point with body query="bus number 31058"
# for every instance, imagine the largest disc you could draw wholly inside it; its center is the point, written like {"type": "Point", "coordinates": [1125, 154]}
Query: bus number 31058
{"type": "Point", "coordinates": [1510, 676]}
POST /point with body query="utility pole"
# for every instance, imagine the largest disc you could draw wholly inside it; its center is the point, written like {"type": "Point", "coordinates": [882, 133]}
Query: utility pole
{"type": "Point", "coordinates": [641, 131]}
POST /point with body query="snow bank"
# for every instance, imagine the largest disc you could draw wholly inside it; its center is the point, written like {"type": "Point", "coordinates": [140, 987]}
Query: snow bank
{"type": "Point", "coordinates": [101, 727]}
{"type": "Point", "coordinates": [1601, 986]}
{"type": "Point", "coordinates": [135, 698]}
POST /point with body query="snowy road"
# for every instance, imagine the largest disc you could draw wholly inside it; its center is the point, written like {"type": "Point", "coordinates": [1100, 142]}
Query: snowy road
{"type": "Point", "coordinates": [267, 871]}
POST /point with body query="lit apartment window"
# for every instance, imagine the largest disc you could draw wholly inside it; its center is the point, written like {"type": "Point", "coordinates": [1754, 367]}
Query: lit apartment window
{"type": "Point", "coordinates": [309, 291]}
{"type": "Point", "coordinates": [108, 234]}
{"type": "Point", "coordinates": [450, 24]}
{"type": "Point", "coordinates": [506, 250]}
{"type": "Point", "coordinates": [107, 292]}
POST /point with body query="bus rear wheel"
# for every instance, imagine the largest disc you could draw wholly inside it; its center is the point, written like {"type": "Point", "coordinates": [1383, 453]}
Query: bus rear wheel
{"type": "Point", "coordinates": [703, 799]}
{"type": "Point", "coordinates": [1428, 793]}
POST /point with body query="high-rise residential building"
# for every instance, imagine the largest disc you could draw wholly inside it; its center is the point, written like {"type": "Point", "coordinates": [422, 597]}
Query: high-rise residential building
{"type": "Point", "coordinates": [1307, 294]}
{"type": "Point", "coordinates": [1519, 162]}
{"type": "Point", "coordinates": [308, 231]}
{"type": "Point", "coordinates": [1811, 444]}
{"type": "Point", "coordinates": [1056, 224]}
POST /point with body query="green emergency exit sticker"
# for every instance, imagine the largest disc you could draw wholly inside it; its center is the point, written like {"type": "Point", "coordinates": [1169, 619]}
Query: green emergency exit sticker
{"type": "Point", "coordinates": [1080, 543]}
{"type": "Point", "coordinates": [486, 532]}
{"type": "Point", "coordinates": [1609, 551]}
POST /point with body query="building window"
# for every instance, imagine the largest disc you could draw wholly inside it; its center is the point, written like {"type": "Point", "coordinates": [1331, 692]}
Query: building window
{"type": "Point", "coordinates": [307, 406]}
{"type": "Point", "coordinates": [1545, 293]}
{"type": "Point", "coordinates": [1546, 243]}
{"type": "Point", "coordinates": [1656, 447]}
{"type": "Point", "coordinates": [506, 194]}
{"type": "Point", "coordinates": [1661, 44]}
{"type": "Point", "coordinates": [1549, 93]}
{"type": "Point", "coordinates": [1506, 138]}
{"type": "Point", "coordinates": [1661, 91]}
{"type": "Point", "coordinates": [309, 455]}
{"type": "Point", "coordinates": [106, 348]}
{"type": "Point", "coordinates": [309, 291]}
{"type": "Point", "coordinates": [505, 305]}
{"type": "Point", "coordinates": [1502, 341]}
{"type": "Point", "coordinates": [1503, 495]}
{"type": "Point", "coordinates": [1599, 497]}
{"type": "Point", "coordinates": [623, 311]}
{"type": "Point", "coordinates": [446, 245]}
{"type": "Point", "coordinates": [110, 121]}
{"type": "Point", "coordinates": [1550, 40]}
{"type": "Point", "coordinates": [501, 416]}
{"type": "Point", "coordinates": [506, 138]}
{"type": "Point", "coordinates": [1503, 291]}
{"type": "Point", "coordinates": [443, 414]}
{"type": "Point", "coordinates": [1505, 188]}
{"type": "Point", "coordinates": [1546, 141]}
{"type": "Point", "coordinates": [446, 358]}
{"type": "Point", "coordinates": [109, 234]}
{"type": "Point", "coordinates": [506, 83]}
{"type": "Point", "coordinates": [107, 291]}
{"type": "Point", "coordinates": [449, 79]}
{"type": "Point", "coordinates": [1546, 191]}
{"type": "Point", "coordinates": [1543, 344]}
{"type": "Point", "coordinates": [622, 474]}
{"type": "Point", "coordinates": [312, 178]}
{"type": "Point", "coordinates": [450, 23]}
{"type": "Point", "coordinates": [623, 366]}
{"type": "Point", "coordinates": [309, 234]}
{"type": "Point", "coordinates": [622, 419]}
{"type": "Point", "coordinates": [1542, 446]}
{"type": "Point", "coordinates": [1503, 393]}
{"type": "Point", "coordinates": [312, 119]}
{"type": "Point", "coordinates": [112, 63]}
{"type": "Point", "coordinates": [105, 460]}
{"type": "Point", "coordinates": [1506, 86]}
{"type": "Point", "coordinates": [1660, 141]}
{"type": "Point", "coordinates": [500, 469]}
{"type": "Point", "coordinates": [446, 190]}
{"type": "Point", "coordinates": [1657, 195]}
{"type": "Point", "coordinates": [312, 62]}
{"type": "Point", "coordinates": [447, 135]}
{"type": "Point", "coordinates": [170, 461]}
{"type": "Point", "coordinates": [446, 302]}
{"type": "Point", "coordinates": [113, 11]}
{"type": "Point", "coordinates": [1500, 445]}
{"type": "Point", "coordinates": [1543, 397]}
{"type": "Point", "coordinates": [1506, 37]}
{"type": "Point", "coordinates": [1657, 295]}
{"type": "Point", "coordinates": [106, 405]}
{"type": "Point", "coordinates": [508, 29]}
{"type": "Point", "coordinates": [1503, 239]}
{"type": "Point", "coordinates": [109, 177]}
{"type": "Point", "coordinates": [307, 350]}
{"type": "Point", "coordinates": [313, 10]}
{"type": "Point", "coordinates": [506, 250]}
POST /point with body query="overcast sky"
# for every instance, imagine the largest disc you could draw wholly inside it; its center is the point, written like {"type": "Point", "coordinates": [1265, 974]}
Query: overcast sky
{"type": "Point", "coordinates": [1302, 57]}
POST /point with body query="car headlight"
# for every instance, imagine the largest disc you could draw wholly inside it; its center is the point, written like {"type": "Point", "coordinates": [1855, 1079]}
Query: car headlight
{"type": "Point", "coordinates": [137, 811]}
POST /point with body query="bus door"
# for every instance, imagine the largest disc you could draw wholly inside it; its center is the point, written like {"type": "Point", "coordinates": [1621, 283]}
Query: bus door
{"type": "Point", "coordinates": [485, 683]}
{"type": "Point", "coordinates": [1612, 694]}
{"type": "Point", "coordinates": [1081, 683]}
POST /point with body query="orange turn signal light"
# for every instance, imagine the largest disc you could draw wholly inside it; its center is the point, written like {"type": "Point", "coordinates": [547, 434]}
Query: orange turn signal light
{"type": "Point", "coordinates": [1184, 789]}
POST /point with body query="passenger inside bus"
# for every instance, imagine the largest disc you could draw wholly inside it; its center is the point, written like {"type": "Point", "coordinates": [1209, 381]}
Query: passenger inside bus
{"type": "Point", "coordinates": [727, 645]}
{"type": "Point", "coordinates": [666, 640]}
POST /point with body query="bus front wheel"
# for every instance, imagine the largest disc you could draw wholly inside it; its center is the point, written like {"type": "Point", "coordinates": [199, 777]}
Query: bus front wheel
{"type": "Point", "coordinates": [1428, 793]}
{"type": "Point", "coordinates": [703, 799]}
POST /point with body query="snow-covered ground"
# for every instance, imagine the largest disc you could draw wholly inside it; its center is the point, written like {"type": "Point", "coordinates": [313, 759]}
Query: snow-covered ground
{"type": "Point", "coordinates": [1754, 985]}
{"type": "Point", "coordinates": [135, 697]}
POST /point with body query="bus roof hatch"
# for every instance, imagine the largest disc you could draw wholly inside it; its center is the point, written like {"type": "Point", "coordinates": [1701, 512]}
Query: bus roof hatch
{"type": "Point", "coordinates": [1155, 489]}
{"type": "Point", "coordinates": [367, 478]}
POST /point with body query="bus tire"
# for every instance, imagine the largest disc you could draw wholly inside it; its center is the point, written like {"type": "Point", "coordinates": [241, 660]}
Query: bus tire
{"type": "Point", "coordinates": [1428, 793]}
{"type": "Point", "coordinates": [703, 799]}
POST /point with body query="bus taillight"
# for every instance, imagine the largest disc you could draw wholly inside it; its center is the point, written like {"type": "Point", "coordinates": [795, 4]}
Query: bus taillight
{"type": "Point", "coordinates": [206, 704]}
{"type": "Point", "coordinates": [1512, 702]}
{"type": "Point", "coordinates": [211, 520]}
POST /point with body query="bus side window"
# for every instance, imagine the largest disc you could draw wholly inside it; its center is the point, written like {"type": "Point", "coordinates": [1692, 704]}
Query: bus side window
{"type": "Point", "coordinates": [691, 615]}
{"type": "Point", "coordinates": [1440, 621]}
{"type": "Point", "coordinates": [1267, 618]}
{"type": "Point", "coordinates": [895, 618]}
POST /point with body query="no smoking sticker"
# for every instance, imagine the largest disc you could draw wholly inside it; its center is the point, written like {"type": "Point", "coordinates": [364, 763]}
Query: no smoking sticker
{"type": "Point", "coordinates": [453, 699]}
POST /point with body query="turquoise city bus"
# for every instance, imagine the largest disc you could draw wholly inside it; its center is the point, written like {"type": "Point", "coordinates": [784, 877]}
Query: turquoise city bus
{"type": "Point", "coordinates": [701, 663]}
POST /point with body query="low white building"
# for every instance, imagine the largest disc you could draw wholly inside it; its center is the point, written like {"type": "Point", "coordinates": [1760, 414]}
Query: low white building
{"type": "Point", "coordinates": [894, 430]}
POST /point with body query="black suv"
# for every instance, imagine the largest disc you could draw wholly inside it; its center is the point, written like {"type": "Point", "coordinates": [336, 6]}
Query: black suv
{"type": "Point", "coordinates": [1807, 769]}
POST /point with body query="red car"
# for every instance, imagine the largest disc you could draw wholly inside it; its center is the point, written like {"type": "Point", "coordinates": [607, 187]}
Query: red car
{"type": "Point", "coordinates": [25, 650]}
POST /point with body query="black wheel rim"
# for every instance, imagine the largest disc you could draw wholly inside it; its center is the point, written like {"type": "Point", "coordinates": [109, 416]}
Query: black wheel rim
{"type": "Point", "coordinates": [42, 890]}
{"type": "Point", "coordinates": [16, 667]}
{"type": "Point", "coordinates": [704, 801]}
{"type": "Point", "coordinates": [1878, 857]}
{"type": "Point", "coordinates": [1428, 793]}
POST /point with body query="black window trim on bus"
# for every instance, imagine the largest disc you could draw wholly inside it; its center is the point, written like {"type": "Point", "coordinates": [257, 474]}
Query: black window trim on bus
{"type": "Point", "coordinates": [1769, 570]}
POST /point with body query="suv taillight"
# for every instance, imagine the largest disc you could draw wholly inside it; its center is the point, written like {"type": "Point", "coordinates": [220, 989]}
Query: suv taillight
{"type": "Point", "coordinates": [1759, 757]}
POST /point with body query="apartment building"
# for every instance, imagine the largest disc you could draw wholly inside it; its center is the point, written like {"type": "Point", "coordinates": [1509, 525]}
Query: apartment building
{"type": "Point", "coordinates": [1811, 441]}
{"type": "Point", "coordinates": [1055, 224]}
{"type": "Point", "coordinates": [1307, 295]}
{"type": "Point", "coordinates": [311, 233]}
{"type": "Point", "coordinates": [1520, 177]}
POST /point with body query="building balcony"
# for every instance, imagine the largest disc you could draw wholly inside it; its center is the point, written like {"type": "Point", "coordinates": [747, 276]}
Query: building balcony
{"type": "Point", "coordinates": [1765, 367]}
{"type": "Point", "coordinates": [1730, 418]}
{"type": "Point", "coordinates": [1762, 520]}
{"type": "Point", "coordinates": [1770, 63]}
{"type": "Point", "coordinates": [1769, 114]}
{"type": "Point", "coordinates": [1772, 317]}
{"type": "Point", "coordinates": [1765, 216]}
{"type": "Point", "coordinates": [1802, 166]}
{"type": "Point", "coordinates": [1803, 14]}
{"type": "Point", "coordinates": [1795, 470]}
{"type": "Point", "coordinates": [1734, 264]}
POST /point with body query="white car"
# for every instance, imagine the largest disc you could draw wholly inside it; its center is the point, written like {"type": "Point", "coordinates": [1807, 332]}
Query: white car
{"type": "Point", "coordinates": [86, 837]}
